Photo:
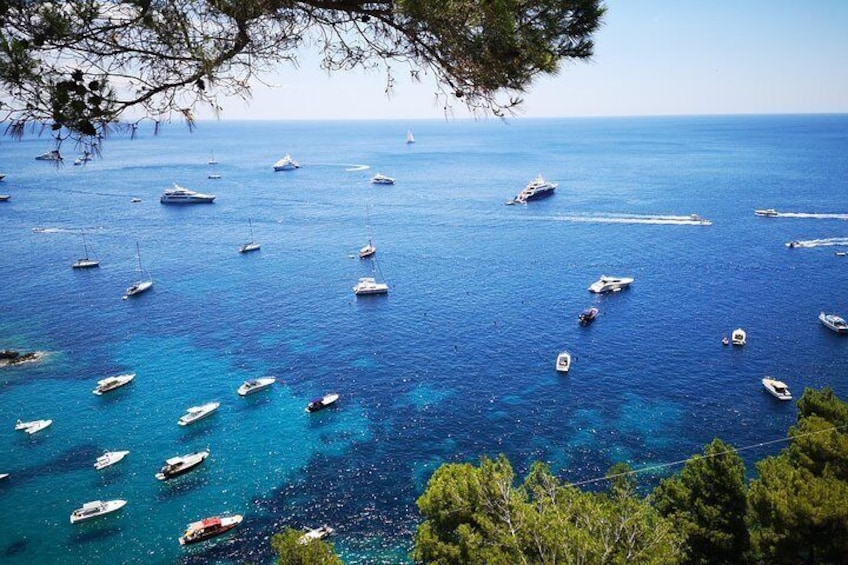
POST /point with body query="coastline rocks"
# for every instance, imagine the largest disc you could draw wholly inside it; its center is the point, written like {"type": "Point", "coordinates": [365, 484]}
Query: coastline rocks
{"type": "Point", "coordinates": [12, 357]}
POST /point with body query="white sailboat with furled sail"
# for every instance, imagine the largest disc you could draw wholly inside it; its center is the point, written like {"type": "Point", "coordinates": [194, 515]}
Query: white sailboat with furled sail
{"type": "Point", "coordinates": [251, 245]}
{"type": "Point", "coordinates": [142, 284]}
{"type": "Point", "coordinates": [86, 262]}
{"type": "Point", "coordinates": [369, 249]}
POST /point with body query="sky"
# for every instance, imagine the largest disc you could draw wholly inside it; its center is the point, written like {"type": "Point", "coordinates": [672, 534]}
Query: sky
{"type": "Point", "coordinates": [652, 58]}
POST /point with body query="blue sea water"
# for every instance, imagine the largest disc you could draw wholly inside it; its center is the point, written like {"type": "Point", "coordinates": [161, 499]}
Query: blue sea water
{"type": "Point", "coordinates": [455, 363]}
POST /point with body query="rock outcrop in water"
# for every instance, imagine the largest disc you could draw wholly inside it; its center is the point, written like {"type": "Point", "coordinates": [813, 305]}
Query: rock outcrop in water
{"type": "Point", "coordinates": [13, 357]}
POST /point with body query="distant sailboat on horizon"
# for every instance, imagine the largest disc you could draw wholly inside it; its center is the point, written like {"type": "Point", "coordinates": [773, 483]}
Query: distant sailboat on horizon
{"type": "Point", "coordinates": [141, 285]}
{"type": "Point", "coordinates": [86, 262]}
{"type": "Point", "coordinates": [409, 137]}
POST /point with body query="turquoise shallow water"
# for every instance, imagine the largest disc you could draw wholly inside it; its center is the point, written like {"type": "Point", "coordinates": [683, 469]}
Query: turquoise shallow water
{"type": "Point", "coordinates": [456, 362]}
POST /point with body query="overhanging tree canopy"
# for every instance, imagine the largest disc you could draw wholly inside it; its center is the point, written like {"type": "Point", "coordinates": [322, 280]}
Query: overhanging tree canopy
{"type": "Point", "coordinates": [79, 65]}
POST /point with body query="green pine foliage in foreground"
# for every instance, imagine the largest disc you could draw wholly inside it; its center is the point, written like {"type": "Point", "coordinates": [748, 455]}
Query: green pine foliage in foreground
{"type": "Point", "coordinates": [795, 510]}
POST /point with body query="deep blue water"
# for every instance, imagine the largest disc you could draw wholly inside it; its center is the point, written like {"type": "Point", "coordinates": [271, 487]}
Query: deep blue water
{"type": "Point", "coordinates": [456, 362]}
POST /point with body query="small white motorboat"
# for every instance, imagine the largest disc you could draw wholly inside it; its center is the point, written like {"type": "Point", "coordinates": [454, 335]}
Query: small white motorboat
{"type": "Point", "coordinates": [766, 213]}
{"type": "Point", "coordinates": [255, 385]}
{"type": "Point", "coordinates": [776, 388]}
{"type": "Point", "coordinates": [563, 362]}
{"type": "Point", "coordinates": [610, 284]}
{"type": "Point", "coordinates": [3, 475]}
{"type": "Point", "coordinates": [196, 413]}
{"type": "Point", "coordinates": [834, 322]}
{"type": "Point", "coordinates": [109, 458]}
{"type": "Point", "coordinates": [738, 337]}
{"type": "Point", "coordinates": [96, 508]}
{"type": "Point", "coordinates": [111, 383]}
{"type": "Point", "coordinates": [176, 466]}
{"type": "Point", "coordinates": [315, 534]}
{"type": "Point", "coordinates": [33, 426]}
{"type": "Point", "coordinates": [382, 179]}
{"type": "Point", "coordinates": [209, 528]}
{"type": "Point", "coordinates": [322, 402]}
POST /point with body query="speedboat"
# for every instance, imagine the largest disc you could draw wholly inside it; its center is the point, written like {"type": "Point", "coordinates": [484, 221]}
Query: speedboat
{"type": "Point", "coordinates": [776, 388]}
{"type": "Point", "coordinates": [182, 195]}
{"type": "Point", "coordinates": [176, 466]}
{"type": "Point", "coordinates": [109, 458]}
{"type": "Point", "coordinates": [537, 188]}
{"type": "Point", "coordinates": [610, 284]}
{"type": "Point", "coordinates": [766, 213]}
{"type": "Point", "coordinates": [587, 316]}
{"type": "Point", "coordinates": [50, 156]}
{"type": "Point", "coordinates": [700, 220]}
{"type": "Point", "coordinates": [111, 383]}
{"type": "Point", "coordinates": [255, 385]}
{"type": "Point", "coordinates": [792, 244]}
{"type": "Point", "coordinates": [738, 337]}
{"type": "Point", "coordinates": [315, 534]}
{"type": "Point", "coordinates": [834, 322]}
{"type": "Point", "coordinates": [369, 285]}
{"type": "Point", "coordinates": [5, 197]}
{"type": "Point", "coordinates": [382, 179]}
{"type": "Point", "coordinates": [321, 402]}
{"type": "Point", "coordinates": [563, 362]}
{"type": "Point", "coordinates": [3, 475]}
{"type": "Point", "coordinates": [33, 426]}
{"type": "Point", "coordinates": [286, 164]}
{"type": "Point", "coordinates": [209, 528]}
{"type": "Point", "coordinates": [196, 413]}
{"type": "Point", "coordinates": [96, 508]}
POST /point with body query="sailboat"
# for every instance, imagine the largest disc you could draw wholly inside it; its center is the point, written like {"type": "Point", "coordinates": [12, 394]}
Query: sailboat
{"type": "Point", "coordinates": [251, 245]}
{"type": "Point", "coordinates": [369, 249]}
{"type": "Point", "coordinates": [142, 285]}
{"type": "Point", "coordinates": [369, 285]}
{"type": "Point", "coordinates": [409, 137]}
{"type": "Point", "coordinates": [86, 262]}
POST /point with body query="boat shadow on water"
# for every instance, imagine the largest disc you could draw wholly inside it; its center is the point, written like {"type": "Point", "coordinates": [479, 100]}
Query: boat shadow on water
{"type": "Point", "coordinates": [89, 532]}
{"type": "Point", "coordinates": [183, 485]}
{"type": "Point", "coordinates": [15, 548]}
{"type": "Point", "coordinates": [71, 460]}
{"type": "Point", "coordinates": [197, 431]}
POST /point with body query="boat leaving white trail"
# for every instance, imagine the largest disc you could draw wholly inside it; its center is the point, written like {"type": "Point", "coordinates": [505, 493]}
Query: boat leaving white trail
{"type": "Point", "coordinates": [652, 219]}
{"type": "Point", "coordinates": [827, 242]}
{"type": "Point", "coordinates": [810, 216]}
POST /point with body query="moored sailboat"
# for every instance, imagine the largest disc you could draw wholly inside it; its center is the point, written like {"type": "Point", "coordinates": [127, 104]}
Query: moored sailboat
{"type": "Point", "coordinates": [141, 285]}
{"type": "Point", "coordinates": [251, 245]}
{"type": "Point", "coordinates": [86, 262]}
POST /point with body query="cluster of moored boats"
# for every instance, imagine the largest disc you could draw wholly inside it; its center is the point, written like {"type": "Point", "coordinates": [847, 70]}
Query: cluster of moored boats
{"type": "Point", "coordinates": [174, 467]}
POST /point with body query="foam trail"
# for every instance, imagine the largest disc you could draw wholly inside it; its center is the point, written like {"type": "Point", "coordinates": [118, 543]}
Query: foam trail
{"type": "Point", "coordinates": [827, 242]}
{"type": "Point", "coordinates": [356, 168]}
{"type": "Point", "coordinates": [813, 216]}
{"type": "Point", "coordinates": [653, 219]}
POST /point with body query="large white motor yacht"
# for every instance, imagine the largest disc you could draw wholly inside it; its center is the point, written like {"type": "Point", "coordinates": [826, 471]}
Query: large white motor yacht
{"type": "Point", "coordinates": [834, 322]}
{"type": "Point", "coordinates": [776, 388]}
{"type": "Point", "coordinates": [196, 413]}
{"type": "Point", "coordinates": [96, 508]}
{"type": "Point", "coordinates": [111, 383]}
{"type": "Point", "coordinates": [610, 284]}
{"type": "Point", "coordinates": [286, 164]}
{"type": "Point", "coordinates": [382, 179]}
{"type": "Point", "coordinates": [537, 188]}
{"type": "Point", "coordinates": [182, 195]}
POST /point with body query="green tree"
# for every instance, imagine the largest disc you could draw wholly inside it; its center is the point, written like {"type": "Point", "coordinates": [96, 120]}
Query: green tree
{"type": "Point", "coordinates": [798, 505]}
{"type": "Point", "coordinates": [290, 552]}
{"type": "Point", "coordinates": [476, 515]}
{"type": "Point", "coordinates": [707, 504]}
{"type": "Point", "coordinates": [79, 65]}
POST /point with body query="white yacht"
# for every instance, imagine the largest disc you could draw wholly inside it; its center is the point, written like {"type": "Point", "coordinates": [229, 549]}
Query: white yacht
{"type": "Point", "coordinates": [50, 156]}
{"type": "Point", "coordinates": [766, 213]}
{"type": "Point", "coordinates": [251, 245]}
{"type": "Point", "coordinates": [321, 402]}
{"type": "Point", "coordinates": [834, 322]}
{"type": "Point", "coordinates": [109, 458]}
{"type": "Point", "coordinates": [776, 388]}
{"type": "Point", "coordinates": [196, 413]}
{"type": "Point", "coordinates": [32, 427]}
{"type": "Point", "coordinates": [563, 362]}
{"type": "Point", "coordinates": [255, 385]}
{"type": "Point", "coordinates": [96, 508]}
{"type": "Point", "coordinates": [610, 284]}
{"type": "Point", "coordinates": [369, 285]}
{"type": "Point", "coordinates": [181, 195]}
{"type": "Point", "coordinates": [537, 188]}
{"type": "Point", "coordinates": [382, 179]}
{"type": "Point", "coordinates": [176, 466]}
{"type": "Point", "coordinates": [738, 337]}
{"type": "Point", "coordinates": [315, 534]}
{"type": "Point", "coordinates": [111, 383]}
{"type": "Point", "coordinates": [286, 164]}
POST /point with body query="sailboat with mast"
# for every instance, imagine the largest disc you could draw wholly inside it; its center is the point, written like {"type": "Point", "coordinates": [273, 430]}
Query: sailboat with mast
{"type": "Point", "coordinates": [142, 284]}
{"type": "Point", "coordinates": [86, 262]}
{"type": "Point", "coordinates": [251, 245]}
{"type": "Point", "coordinates": [369, 285]}
{"type": "Point", "coordinates": [369, 249]}
{"type": "Point", "coordinates": [409, 137]}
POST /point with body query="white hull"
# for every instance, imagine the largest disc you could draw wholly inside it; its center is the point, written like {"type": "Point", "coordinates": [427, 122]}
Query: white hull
{"type": "Point", "coordinates": [181, 195]}
{"type": "Point", "coordinates": [138, 288]}
{"type": "Point", "coordinates": [322, 403]}
{"type": "Point", "coordinates": [256, 385]}
{"type": "Point", "coordinates": [179, 465]}
{"type": "Point", "coordinates": [563, 362]}
{"type": "Point", "coordinates": [109, 458]}
{"type": "Point", "coordinates": [834, 322]}
{"type": "Point", "coordinates": [777, 389]}
{"type": "Point", "coordinates": [196, 413]}
{"type": "Point", "coordinates": [94, 509]}
{"type": "Point", "coordinates": [315, 534]}
{"type": "Point", "coordinates": [86, 264]}
{"type": "Point", "coordinates": [610, 284]}
{"type": "Point", "coordinates": [248, 247]}
{"type": "Point", "coordinates": [111, 383]}
{"type": "Point", "coordinates": [34, 426]}
{"type": "Point", "coordinates": [739, 337]}
{"type": "Point", "coordinates": [369, 285]}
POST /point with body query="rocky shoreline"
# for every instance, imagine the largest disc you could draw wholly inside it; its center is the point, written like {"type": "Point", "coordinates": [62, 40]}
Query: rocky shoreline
{"type": "Point", "coordinates": [11, 357]}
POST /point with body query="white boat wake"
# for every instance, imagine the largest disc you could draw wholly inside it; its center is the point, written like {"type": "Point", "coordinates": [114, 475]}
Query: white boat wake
{"type": "Point", "coordinates": [654, 219]}
{"type": "Point", "coordinates": [356, 168]}
{"type": "Point", "coordinates": [827, 242]}
{"type": "Point", "coordinates": [813, 216]}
